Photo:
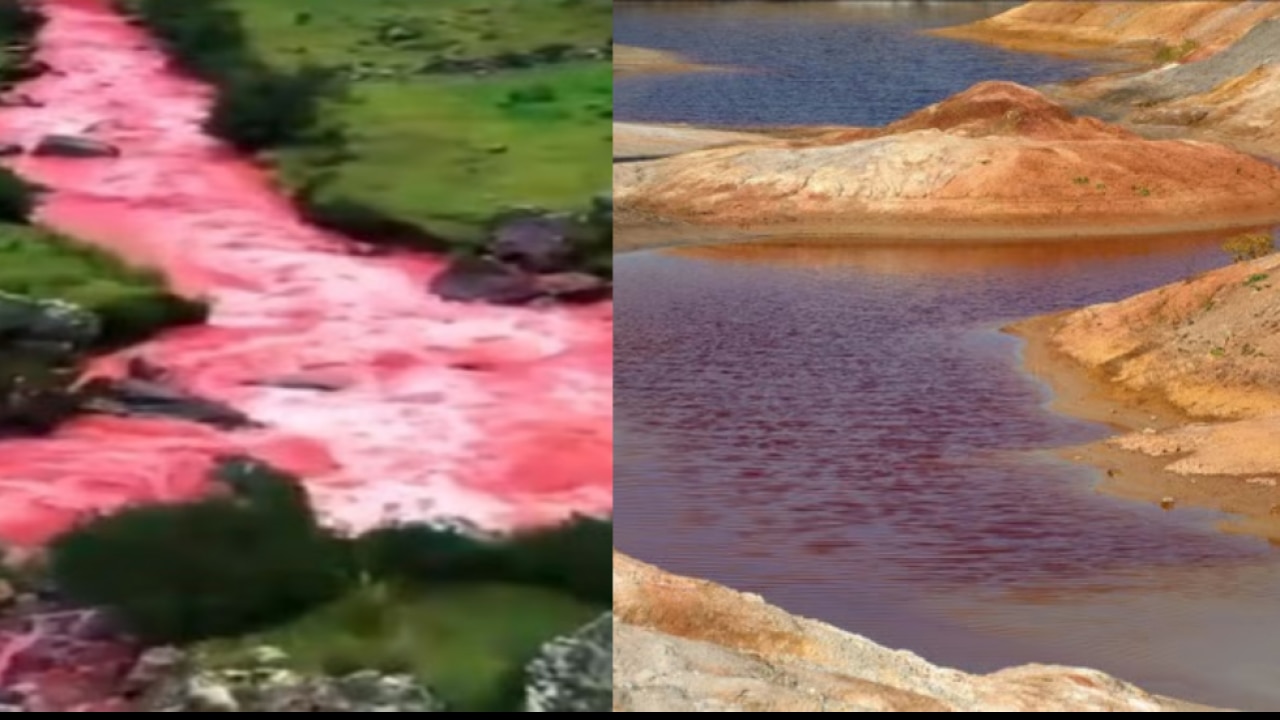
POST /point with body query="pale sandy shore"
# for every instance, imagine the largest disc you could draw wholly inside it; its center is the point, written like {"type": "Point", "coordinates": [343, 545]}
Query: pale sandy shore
{"type": "Point", "coordinates": [632, 60]}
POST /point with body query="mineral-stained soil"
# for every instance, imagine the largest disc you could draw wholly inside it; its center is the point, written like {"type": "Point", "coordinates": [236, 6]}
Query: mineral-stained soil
{"type": "Point", "coordinates": [1189, 371]}
{"type": "Point", "coordinates": [998, 160]}
{"type": "Point", "coordinates": [685, 645]}
{"type": "Point", "coordinates": [1140, 30]}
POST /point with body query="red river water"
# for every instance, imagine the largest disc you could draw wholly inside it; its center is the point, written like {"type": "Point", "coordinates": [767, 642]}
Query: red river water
{"type": "Point", "coordinates": [500, 416]}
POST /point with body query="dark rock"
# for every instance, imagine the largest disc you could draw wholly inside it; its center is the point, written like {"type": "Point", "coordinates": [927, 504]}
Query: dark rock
{"type": "Point", "coordinates": [10, 149]}
{"type": "Point", "coordinates": [301, 382]}
{"type": "Point", "coordinates": [24, 319]}
{"type": "Point", "coordinates": [470, 279]}
{"type": "Point", "coordinates": [574, 673]}
{"type": "Point", "coordinates": [73, 146]}
{"type": "Point", "coordinates": [535, 243]}
{"type": "Point", "coordinates": [575, 287]}
{"type": "Point", "coordinates": [135, 397]}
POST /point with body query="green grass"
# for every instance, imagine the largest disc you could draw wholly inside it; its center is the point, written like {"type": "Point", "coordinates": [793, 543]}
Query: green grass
{"type": "Point", "coordinates": [132, 302]}
{"type": "Point", "coordinates": [447, 152]}
{"type": "Point", "coordinates": [464, 642]}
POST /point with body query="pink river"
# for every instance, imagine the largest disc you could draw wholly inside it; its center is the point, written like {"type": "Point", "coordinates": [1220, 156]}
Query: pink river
{"type": "Point", "coordinates": [499, 416]}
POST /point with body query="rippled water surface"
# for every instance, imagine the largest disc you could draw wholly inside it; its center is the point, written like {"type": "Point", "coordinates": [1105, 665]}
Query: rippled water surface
{"type": "Point", "coordinates": [846, 431]}
{"type": "Point", "coordinates": [501, 416]}
{"type": "Point", "coordinates": [812, 63]}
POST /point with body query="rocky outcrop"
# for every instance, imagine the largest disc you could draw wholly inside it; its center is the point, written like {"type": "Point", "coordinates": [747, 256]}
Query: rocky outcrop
{"type": "Point", "coordinates": [30, 322]}
{"type": "Point", "coordinates": [1232, 95]}
{"type": "Point", "coordinates": [998, 160]}
{"type": "Point", "coordinates": [574, 673]}
{"type": "Point", "coordinates": [173, 685]}
{"type": "Point", "coordinates": [535, 255]}
{"type": "Point", "coordinates": [685, 645]}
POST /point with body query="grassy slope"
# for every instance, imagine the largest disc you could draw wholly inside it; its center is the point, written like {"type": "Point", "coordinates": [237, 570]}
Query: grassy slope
{"type": "Point", "coordinates": [446, 152]}
{"type": "Point", "coordinates": [457, 639]}
{"type": "Point", "coordinates": [132, 303]}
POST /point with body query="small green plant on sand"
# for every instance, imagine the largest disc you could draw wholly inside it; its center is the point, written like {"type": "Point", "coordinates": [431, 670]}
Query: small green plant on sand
{"type": "Point", "coordinates": [1251, 246]}
{"type": "Point", "coordinates": [1175, 53]}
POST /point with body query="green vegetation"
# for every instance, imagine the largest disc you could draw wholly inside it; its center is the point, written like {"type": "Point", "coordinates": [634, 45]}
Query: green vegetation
{"type": "Point", "coordinates": [1167, 53]}
{"type": "Point", "coordinates": [464, 641]}
{"type": "Point", "coordinates": [1251, 246]}
{"type": "Point", "coordinates": [18, 23]}
{"type": "Point", "coordinates": [129, 305]}
{"type": "Point", "coordinates": [251, 565]}
{"type": "Point", "coordinates": [408, 120]}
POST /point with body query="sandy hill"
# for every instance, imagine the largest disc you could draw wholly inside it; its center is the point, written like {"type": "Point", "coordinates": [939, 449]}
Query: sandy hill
{"type": "Point", "coordinates": [998, 160]}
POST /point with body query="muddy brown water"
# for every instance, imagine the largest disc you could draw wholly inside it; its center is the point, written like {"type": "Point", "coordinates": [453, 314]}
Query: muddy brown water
{"type": "Point", "coordinates": [846, 431]}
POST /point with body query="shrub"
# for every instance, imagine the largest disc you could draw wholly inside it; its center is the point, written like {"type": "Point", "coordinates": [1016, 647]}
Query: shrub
{"type": "Point", "coordinates": [17, 198]}
{"type": "Point", "coordinates": [575, 558]}
{"type": "Point", "coordinates": [257, 107]}
{"type": "Point", "coordinates": [225, 565]}
{"type": "Point", "coordinates": [1243, 248]}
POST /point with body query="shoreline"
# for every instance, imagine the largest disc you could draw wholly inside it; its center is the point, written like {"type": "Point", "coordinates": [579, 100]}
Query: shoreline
{"type": "Point", "coordinates": [649, 234]}
{"type": "Point", "coordinates": [632, 61]}
{"type": "Point", "coordinates": [1080, 393]}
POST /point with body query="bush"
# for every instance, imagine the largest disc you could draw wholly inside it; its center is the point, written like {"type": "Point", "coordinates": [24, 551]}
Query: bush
{"type": "Point", "coordinates": [575, 558]}
{"type": "Point", "coordinates": [17, 198]}
{"type": "Point", "coordinates": [257, 108]}
{"type": "Point", "coordinates": [1243, 248]}
{"type": "Point", "coordinates": [255, 556]}
{"type": "Point", "coordinates": [225, 565]}
{"type": "Point", "coordinates": [19, 20]}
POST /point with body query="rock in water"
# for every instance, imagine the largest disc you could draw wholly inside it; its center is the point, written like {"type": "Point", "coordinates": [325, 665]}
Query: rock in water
{"type": "Point", "coordinates": [574, 673]}
{"type": "Point", "coordinates": [483, 280]}
{"type": "Point", "coordinates": [534, 243]}
{"type": "Point", "coordinates": [73, 146]}
{"type": "Point", "coordinates": [131, 397]}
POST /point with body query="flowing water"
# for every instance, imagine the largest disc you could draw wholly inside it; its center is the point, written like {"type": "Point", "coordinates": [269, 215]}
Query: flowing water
{"type": "Point", "coordinates": [847, 432]}
{"type": "Point", "coordinates": [500, 416]}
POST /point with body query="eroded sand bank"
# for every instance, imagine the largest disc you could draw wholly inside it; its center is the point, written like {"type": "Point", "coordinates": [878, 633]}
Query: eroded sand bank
{"type": "Point", "coordinates": [1187, 375]}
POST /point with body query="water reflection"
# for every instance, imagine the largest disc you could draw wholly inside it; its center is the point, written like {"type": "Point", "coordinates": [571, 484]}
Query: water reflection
{"type": "Point", "coordinates": [845, 431]}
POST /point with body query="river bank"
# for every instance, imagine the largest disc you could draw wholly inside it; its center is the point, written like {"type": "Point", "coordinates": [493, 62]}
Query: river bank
{"type": "Point", "coordinates": [1182, 374]}
{"type": "Point", "coordinates": [385, 401]}
{"type": "Point", "coordinates": [692, 645]}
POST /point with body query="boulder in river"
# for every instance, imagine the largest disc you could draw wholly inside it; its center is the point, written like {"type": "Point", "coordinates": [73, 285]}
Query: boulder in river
{"type": "Point", "coordinates": [74, 146]}
{"type": "Point", "coordinates": [534, 243]}
{"type": "Point", "coordinates": [469, 279]}
{"type": "Point", "coordinates": [133, 397]}
{"type": "Point", "coordinates": [575, 287]}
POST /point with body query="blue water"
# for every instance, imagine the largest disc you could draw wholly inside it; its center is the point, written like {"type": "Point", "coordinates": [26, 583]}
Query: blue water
{"type": "Point", "coordinates": [813, 63]}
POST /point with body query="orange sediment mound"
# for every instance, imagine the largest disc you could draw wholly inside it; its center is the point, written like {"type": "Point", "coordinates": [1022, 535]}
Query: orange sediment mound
{"type": "Point", "coordinates": [996, 161]}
